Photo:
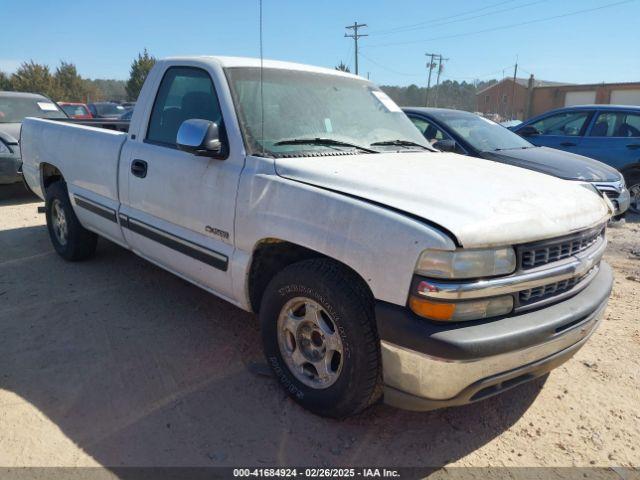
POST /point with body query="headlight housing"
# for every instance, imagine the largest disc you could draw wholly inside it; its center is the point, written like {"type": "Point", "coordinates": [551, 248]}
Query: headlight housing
{"type": "Point", "coordinates": [464, 263]}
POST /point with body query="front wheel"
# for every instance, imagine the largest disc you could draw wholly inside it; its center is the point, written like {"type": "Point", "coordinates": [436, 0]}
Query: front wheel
{"type": "Point", "coordinates": [319, 337]}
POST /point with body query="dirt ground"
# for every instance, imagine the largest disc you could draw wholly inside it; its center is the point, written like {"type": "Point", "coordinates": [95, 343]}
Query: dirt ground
{"type": "Point", "coordinates": [115, 362]}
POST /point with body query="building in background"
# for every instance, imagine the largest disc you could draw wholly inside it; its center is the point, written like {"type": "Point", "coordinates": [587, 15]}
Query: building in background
{"type": "Point", "coordinates": [529, 97]}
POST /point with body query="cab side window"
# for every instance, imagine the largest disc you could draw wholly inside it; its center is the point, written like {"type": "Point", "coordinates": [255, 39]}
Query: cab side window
{"type": "Point", "coordinates": [185, 93]}
{"type": "Point", "coordinates": [567, 123]}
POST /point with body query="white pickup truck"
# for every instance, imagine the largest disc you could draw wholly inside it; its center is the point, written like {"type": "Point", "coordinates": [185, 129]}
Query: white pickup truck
{"type": "Point", "coordinates": [379, 267]}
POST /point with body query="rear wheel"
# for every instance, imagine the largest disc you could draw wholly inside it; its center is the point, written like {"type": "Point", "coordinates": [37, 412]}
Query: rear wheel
{"type": "Point", "coordinates": [70, 239]}
{"type": "Point", "coordinates": [632, 180]}
{"type": "Point", "coordinates": [319, 337]}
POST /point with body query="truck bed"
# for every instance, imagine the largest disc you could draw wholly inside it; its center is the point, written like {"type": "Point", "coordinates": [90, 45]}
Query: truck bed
{"type": "Point", "coordinates": [118, 125]}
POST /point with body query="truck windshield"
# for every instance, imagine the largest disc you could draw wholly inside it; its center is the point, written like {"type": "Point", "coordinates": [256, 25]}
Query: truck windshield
{"type": "Point", "coordinates": [316, 112]}
{"type": "Point", "coordinates": [15, 109]}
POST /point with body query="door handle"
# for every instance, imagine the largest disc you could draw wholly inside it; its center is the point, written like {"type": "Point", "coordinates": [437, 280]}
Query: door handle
{"type": "Point", "coordinates": [139, 168]}
{"type": "Point", "coordinates": [633, 146]}
{"type": "Point", "coordinates": [568, 144]}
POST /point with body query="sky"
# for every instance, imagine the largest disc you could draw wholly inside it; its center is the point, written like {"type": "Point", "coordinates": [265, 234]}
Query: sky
{"type": "Point", "coordinates": [480, 38]}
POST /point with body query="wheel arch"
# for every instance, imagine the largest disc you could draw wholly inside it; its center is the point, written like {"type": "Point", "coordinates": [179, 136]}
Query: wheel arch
{"type": "Point", "coordinates": [49, 174]}
{"type": "Point", "coordinates": [272, 255]}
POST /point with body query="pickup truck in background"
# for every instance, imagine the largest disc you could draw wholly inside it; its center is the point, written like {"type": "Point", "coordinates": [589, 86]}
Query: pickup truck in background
{"type": "Point", "coordinates": [379, 267]}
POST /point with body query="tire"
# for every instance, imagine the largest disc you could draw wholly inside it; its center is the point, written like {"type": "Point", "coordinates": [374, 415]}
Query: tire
{"type": "Point", "coordinates": [632, 179]}
{"type": "Point", "coordinates": [70, 239]}
{"type": "Point", "coordinates": [326, 291]}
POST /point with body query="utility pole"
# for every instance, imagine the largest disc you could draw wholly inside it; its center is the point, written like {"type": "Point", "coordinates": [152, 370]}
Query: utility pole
{"type": "Point", "coordinates": [513, 94]}
{"type": "Point", "coordinates": [440, 67]}
{"type": "Point", "coordinates": [355, 37]}
{"type": "Point", "coordinates": [431, 65]}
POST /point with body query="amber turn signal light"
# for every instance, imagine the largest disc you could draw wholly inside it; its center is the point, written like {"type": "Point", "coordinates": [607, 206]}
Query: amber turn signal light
{"type": "Point", "coordinates": [433, 310]}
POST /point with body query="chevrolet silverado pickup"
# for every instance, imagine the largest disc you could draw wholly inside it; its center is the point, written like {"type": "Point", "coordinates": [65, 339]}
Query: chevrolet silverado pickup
{"type": "Point", "coordinates": [379, 267]}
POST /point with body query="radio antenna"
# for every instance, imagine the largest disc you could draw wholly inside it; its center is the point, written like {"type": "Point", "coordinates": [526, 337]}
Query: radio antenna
{"type": "Point", "coordinates": [261, 85]}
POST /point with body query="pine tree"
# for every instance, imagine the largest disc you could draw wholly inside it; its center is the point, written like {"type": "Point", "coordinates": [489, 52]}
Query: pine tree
{"type": "Point", "coordinates": [342, 67]}
{"type": "Point", "coordinates": [5, 82]}
{"type": "Point", "coordinates": [140, 68]}
{"type": "Point", "coordinates": [69, 85]}
{"type": "Point", "coordinates": [34, 78]}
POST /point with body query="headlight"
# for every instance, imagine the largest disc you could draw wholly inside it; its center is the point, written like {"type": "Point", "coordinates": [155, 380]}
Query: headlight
{"type": "Point", "coordinates": [466, 263]}
{"type": "Point", "coordinates": [3, 148]}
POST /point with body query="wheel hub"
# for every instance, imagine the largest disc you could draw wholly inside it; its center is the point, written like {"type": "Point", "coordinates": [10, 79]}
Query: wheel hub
{"type": "Point", "coordinates": [59, 222]}
{"type": "Point", "coordinates": [310, 343]}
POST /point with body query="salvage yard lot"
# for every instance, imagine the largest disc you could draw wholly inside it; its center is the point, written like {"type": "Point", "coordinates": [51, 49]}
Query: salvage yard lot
{"type": "Point", "coordinates": [116, 362]}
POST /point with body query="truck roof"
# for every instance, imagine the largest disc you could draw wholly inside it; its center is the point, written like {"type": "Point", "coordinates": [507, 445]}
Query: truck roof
{"type": "Point", "coordinates": [230, 62]}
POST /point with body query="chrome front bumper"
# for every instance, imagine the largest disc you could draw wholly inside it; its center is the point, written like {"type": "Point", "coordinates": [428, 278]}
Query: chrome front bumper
{"type": "Point", "coordinates": [463, 364]}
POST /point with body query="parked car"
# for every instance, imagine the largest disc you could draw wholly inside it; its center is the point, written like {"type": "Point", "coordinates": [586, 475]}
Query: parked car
{"type": "Point", "coordinates": [108, 110]}
{"type": "Point", "coordinates": [14, 107]}
{"type": "Point", "coordinates": [609, 133]}
{"type": "Point", "coordinates": [374, 265]}
{"type": "Point", "coordinates": [126, 115]}
{"type": "Point", "coordinates": [76, 110]}
{"type": "Point", "coordinates": [470, 134]}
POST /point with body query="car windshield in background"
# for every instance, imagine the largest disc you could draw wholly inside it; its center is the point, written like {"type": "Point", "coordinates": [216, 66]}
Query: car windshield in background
{"type": "Point", "coordinates": [308, 111]}
{"type": "Point", "coordinates": [481, 133]}
{"type": "Point", "coordinates": [16, 109]}
{"type": "Point", "coordinates": [110, 109]}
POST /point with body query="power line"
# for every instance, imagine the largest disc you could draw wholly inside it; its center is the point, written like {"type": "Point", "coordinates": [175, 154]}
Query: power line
{"type": "Point", "coordinates": [380, 32]}
{"type": "Point", "coordinates": [504, 27]}
{"type": "Point", "coordinates": [384, 67]}
{"type": "Point", "coordinates": [436, 25]}
{"type": "Point", "coordinates": [355, 37]}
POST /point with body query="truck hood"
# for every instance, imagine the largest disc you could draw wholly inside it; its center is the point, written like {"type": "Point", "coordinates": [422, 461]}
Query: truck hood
{"type": "Point", "coordinates": [481, 203]}
{"type": "Point", "coordinates": [561, 164]}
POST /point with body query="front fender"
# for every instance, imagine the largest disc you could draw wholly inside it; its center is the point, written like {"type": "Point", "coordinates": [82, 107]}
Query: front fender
{"type": "Point", "coordinates": [381, 245]}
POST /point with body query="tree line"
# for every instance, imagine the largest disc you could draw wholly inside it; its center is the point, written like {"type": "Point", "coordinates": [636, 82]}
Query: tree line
{"type": "Point", "coordinates": [65, 84]}
{"type": "Point", "coordinates": [449, 94]}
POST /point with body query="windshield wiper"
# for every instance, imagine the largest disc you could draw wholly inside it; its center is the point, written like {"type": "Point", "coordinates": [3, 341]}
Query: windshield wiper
{"type": "Point", "coordinates": [323, 141]}
{"type": "Point", "coordinates": [400, 143]}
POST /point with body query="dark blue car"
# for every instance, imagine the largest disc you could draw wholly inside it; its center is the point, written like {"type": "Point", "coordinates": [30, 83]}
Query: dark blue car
{"type": "Point", "coordinates": [609, 133]}
{"type": "Point", "coordinates": [470, 134]}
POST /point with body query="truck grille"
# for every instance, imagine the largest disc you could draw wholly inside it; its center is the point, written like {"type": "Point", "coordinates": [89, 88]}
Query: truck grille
{"type": "Point", "coordinates": [545, 291]}
{"type": "Point", "coordinates": [612, 194]}
{"type": "Point", "coordinates": [541, 253]}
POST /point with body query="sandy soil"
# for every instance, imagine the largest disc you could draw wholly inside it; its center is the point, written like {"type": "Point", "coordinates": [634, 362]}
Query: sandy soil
{"type": "Point", "coordinates": [115, 362]}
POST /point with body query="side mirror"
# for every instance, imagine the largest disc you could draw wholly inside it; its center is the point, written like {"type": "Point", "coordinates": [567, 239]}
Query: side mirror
{"type": "Point", "coordinates": [528, 131]}
{"type": "Point", "coordinates": [446, 145]}
{"type": "Point", "coordinates": [200, 137]}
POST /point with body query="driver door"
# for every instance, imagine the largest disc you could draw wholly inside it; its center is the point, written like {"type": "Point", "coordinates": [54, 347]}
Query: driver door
{"type": "Point", "coordinates": [180, 207]}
